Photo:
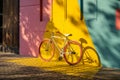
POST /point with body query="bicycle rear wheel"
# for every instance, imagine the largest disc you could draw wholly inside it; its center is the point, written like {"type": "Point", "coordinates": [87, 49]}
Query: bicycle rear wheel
{"type": "Point", "coordinates": [46, 50]}
{"type": "Point", "coordinates": [72, 52]}
{"type": "Point", "coordinates": [91, 57]}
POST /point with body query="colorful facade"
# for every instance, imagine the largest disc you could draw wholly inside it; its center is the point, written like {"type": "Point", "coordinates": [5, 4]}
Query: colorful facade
{"type": "Point", "coordinates": [99, 25]}
{"type": "Point", "coordinates": [105, 30]}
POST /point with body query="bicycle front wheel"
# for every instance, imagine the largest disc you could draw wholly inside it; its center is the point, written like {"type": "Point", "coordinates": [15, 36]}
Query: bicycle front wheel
{"type": "Point", "coordinates": [72, 52]}
{"type": "Point", "coordinates": [91, 57]}
{"type": "Point", "coordinates": [46, 50]}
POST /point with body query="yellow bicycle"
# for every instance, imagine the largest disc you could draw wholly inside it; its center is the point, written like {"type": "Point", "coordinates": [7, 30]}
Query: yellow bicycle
{"type": "Point", "coordinates": [70, 51]}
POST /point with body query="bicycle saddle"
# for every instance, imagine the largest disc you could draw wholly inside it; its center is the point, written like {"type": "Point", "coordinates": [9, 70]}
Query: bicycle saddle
{"type": "Point", "coordinates": [83, 40]}
{"type": "Point", "coordinates": [67, 35]}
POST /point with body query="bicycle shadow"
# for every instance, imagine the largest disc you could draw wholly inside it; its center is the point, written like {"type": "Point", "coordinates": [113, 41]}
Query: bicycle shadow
{"type": "Point", "coordinates": [89, 54]}
{"type": "Point", "coordinates": [50, 28]}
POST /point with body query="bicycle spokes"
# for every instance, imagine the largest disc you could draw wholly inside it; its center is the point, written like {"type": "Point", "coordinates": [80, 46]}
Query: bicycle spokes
{"type": "Point", "coordinates": [72, 53]}
{"type": "Point", "coordinates": [46, 50]}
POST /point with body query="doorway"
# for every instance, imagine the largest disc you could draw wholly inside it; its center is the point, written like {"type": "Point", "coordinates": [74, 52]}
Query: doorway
{"type": "Point", "coordinates": [9, 25]}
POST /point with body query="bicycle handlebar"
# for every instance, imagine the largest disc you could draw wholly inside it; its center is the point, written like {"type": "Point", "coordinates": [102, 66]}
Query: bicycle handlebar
{"type": "Point", "coordinates": [66, 35]}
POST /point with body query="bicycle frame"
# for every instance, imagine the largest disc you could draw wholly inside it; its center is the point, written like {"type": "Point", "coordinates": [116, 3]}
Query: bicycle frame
{"type": "Point", "coordinates": [61, 52]}
{"type": "Point", "coordinates": [68, 49]}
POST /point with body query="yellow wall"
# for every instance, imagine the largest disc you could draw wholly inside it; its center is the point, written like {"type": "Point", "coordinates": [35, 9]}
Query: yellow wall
{"type": "Point", "coordinates": [70, 24]}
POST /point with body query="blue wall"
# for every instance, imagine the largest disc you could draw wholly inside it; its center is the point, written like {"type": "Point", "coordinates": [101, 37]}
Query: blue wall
{"type": "Point", "coordinates": [100, 19]}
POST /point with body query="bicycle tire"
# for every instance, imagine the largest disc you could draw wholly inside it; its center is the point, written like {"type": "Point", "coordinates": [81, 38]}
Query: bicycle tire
{"type": "Point", "coordinates": [93, 60]}
{"type": "Point", "coordinates": [46, 50]}
{"type": "Point", "coordinates": [75, 57]}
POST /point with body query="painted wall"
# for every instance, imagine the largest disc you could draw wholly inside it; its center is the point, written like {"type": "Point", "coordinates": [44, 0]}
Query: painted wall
{"type": "Point", "coordinates": [66, 20]}
{"type": "Point", "coordinates": [31, 28]}
{"type": "Point", "coordinates": [98, 26]}
{"type": "Point", "coordinates": [104, 29]}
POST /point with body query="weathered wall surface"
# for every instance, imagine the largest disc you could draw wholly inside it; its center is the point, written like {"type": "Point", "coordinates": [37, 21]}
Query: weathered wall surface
{"type": "Point", "coordinates": [31, 28]}
{"type": "Point", "coordinates": [100, 25]}
{"type": "Point", "coordinates": [104, 29]}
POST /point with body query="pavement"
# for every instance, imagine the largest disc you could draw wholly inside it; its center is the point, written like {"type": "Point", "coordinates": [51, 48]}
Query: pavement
{"type": "Point", "coordinates": [16, 67]}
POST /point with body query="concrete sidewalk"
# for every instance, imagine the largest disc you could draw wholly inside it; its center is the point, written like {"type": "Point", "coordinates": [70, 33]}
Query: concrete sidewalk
{"type": "Point", "coordinates": [13, 70]}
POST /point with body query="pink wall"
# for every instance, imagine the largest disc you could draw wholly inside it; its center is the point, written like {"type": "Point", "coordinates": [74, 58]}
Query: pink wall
{"type": "Point", "coordinates": [31, 28]}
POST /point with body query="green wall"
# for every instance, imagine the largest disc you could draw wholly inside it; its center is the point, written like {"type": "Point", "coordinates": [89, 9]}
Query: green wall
{"type": "Point", "coordinates": [103, 30]}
